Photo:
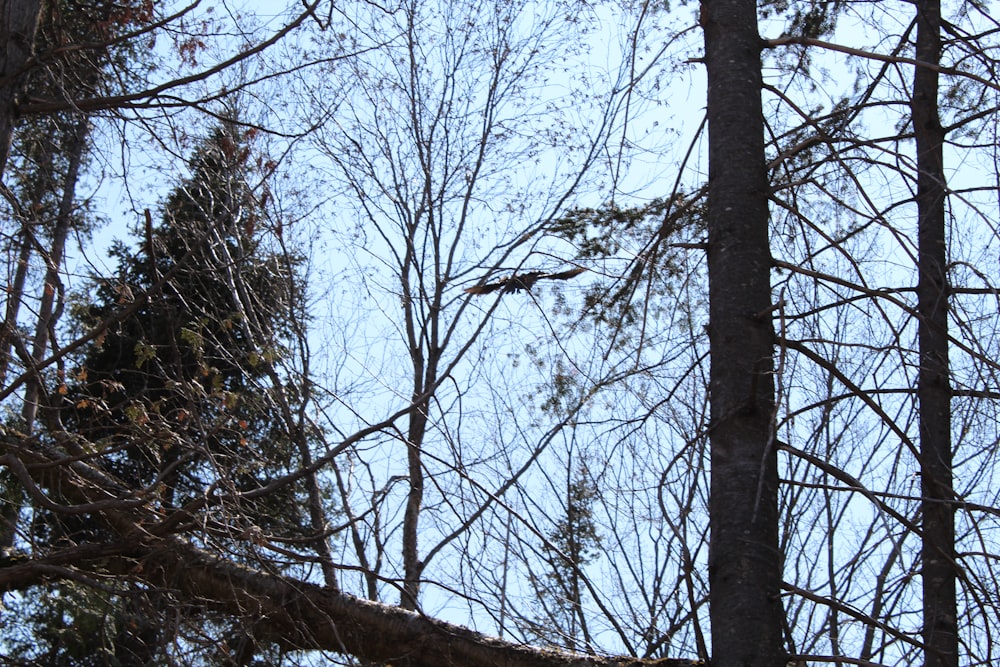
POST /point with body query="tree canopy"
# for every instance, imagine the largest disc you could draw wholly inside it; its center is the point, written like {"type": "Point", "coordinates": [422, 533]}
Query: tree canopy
{"type": "Point", "coordinates": [524, 334]}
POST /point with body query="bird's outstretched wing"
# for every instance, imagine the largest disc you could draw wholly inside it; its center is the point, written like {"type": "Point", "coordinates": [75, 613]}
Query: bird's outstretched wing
{"type": "Point", "coordinates": [565, 275]}
{"type": "Point", "coordinates": [522, 281]}
{"type": "Point", "coordinates": [484, 289]}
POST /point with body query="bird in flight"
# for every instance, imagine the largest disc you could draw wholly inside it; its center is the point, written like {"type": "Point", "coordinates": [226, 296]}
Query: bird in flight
{"type": "Point", "coordinates": [522, 281]}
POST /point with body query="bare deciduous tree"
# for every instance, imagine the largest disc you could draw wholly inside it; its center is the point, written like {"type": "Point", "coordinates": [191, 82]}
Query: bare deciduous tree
{"type": "Point", "coordinates": [752, 417]}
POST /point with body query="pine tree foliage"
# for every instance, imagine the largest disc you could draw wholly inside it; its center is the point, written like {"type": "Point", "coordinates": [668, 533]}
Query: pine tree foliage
{"type": "Point", "coordinates": [647, 242]}
{"type": "Point", "coordinates": [180, 391]}
{"type": "Point", "coordinates": [181, 396]}
{"type": "Point", "coordinates": [573, 543]}
{"type": "Point", "coordinates": [190, 360]}
{"type": "Point", "coordinates": [777, 342]}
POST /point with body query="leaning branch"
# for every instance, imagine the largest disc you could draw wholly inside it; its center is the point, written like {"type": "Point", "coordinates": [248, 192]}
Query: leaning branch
{"type": "Point", "coordinates": [786, 40]}
{"type": "Point", "coordinates": [297, 614]}
{"type": "Point", "coordinates": [313, 617]}
{"type": "Point", "coordinates": [36, 106]}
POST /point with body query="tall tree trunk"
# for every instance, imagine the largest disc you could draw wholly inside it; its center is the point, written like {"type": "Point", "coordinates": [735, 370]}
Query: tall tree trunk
{"type": "Point", "coordinates": [18, 21]}
{"type": "Point", "coordinates": [47, 314]}
{"type": "Point", "coordinates": [416, 432]}
{"type": "Point", "coordinates": [424, 355]}
{"type": "Point", "coordinates": [18, 25]}
{"type": "Point", "coordinates": [934, 390]}
{"type": "Point", "coordinates": [744, 561]}
{"type": "Point", "coordinates": [411, 517]}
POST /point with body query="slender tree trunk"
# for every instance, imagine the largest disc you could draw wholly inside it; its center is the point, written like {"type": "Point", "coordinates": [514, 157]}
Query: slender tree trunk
{"type": "Point", "coordinates": [18, 24]}
{"type": "Point", "coordinates": [21, 246]}
{"type": "Point", "coordinates": [18, 21]}
{"type": "Point", "coordinates": [425, 362]}
{"type": "Point", "coordinates": [47, 313]}
{"type": "Point", "coordinates": [77, 135]}
{"type": "Point", "coordinates": [934, 390]}
{"type": "Point", "coordinates": [744, 560]}
{"type": "Point", "coordinates": [412, 566]}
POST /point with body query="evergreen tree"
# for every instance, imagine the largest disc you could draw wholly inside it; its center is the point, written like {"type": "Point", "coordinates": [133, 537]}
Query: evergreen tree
{"type": "Point", "coordinates": [50, 153]}
{"type": "Point", "coordinates": [185, 375]}
{"type": "Point", "coordinates": [181, 394]}
{"type": "Point", "coordinates": [573, 543]}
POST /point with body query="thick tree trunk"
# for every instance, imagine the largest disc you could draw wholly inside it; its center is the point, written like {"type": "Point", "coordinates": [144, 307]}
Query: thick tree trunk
{"type": "Point", "coordinates": [18, 21]}
{"type": "Point", "coordinates": [934, 390]}
{"type": "Point", "coordinates": [744, 561]}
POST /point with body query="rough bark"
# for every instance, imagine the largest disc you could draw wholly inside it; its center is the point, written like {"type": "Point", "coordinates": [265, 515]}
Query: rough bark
{"type": "Point", "coordinates": [744, 560]}
{"type": "Point", "coordinates": [18, 22]}
{"type": "Point", "coordinates": [934, 390]}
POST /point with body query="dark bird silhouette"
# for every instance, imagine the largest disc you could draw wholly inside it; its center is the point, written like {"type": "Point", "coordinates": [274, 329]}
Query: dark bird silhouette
{"type": "Point", "coordinates": [522, 281]}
